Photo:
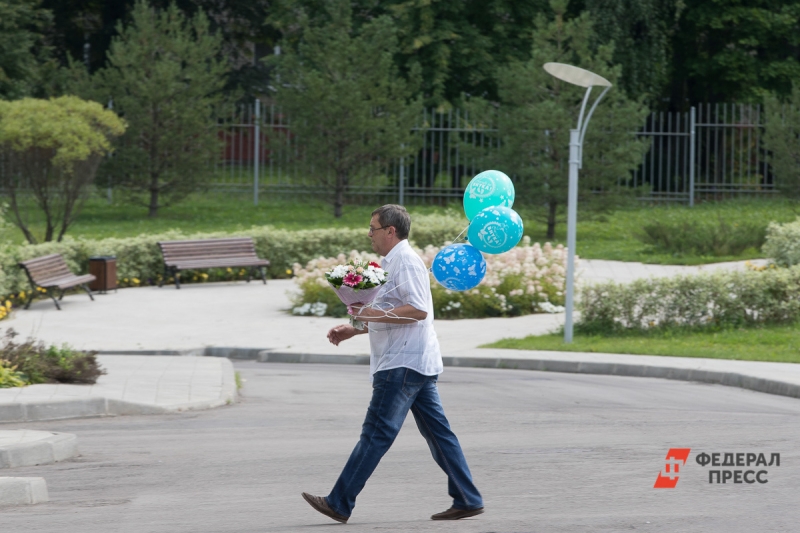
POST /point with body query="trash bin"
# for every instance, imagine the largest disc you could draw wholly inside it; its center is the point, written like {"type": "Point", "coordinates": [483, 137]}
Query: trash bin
{"type": "Point", "coordinates": [104, 268]}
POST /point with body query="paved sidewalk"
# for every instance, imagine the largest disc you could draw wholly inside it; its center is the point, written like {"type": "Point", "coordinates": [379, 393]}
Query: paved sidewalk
{"type": "Point", "coordinates": [134, 384]}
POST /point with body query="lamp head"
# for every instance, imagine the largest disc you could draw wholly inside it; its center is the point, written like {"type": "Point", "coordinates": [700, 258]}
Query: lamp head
{"type": "Point", "coordinates": [576, 75]}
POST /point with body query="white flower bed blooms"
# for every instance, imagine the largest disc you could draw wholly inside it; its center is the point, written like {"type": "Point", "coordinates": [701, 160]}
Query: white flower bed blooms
{"type": "Point", "coordinates": [530, 278]}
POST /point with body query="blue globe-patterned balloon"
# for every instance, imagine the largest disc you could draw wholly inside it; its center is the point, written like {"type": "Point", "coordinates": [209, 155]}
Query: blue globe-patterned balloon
{"type": "Point", "coordinates": [459, 267]}
{"type": "Point", "coordinates": [495, 230]}
{"type": "Point", "coordinates": [488, 189]}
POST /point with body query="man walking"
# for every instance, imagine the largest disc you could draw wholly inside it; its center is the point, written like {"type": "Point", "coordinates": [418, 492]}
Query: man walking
{"type": "Point", "coordinates": [405, 363]}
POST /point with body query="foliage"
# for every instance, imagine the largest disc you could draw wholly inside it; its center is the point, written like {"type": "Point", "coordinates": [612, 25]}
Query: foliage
{"type": "Point", "coordinates": [782, 140]}
{"type": "Point", "coordinates": [762, 343]}
{"type": "Point", "coordinates": [734, 51]}
{"type": "Point", "coordinates": [641, 31]}
{"type": "Point", "coordinates": [164, 76]}
{"type": "Point", "coordinates": [351, 113]}
{"type": "Point", "coordinates": [519, 282]}
{"type": "Point", "coordinates": [436, 229]}
{"type": "Point", "coordinates": [36, 363]}
{"type": "Point", "coordinates": [22, 49]}
{"type": "Point", "coordinates": [53, 147]}
{"type": "Point", "coordinates": [706, 237]}
{"type": "Point", "coordinates": [782, 244]}
{"type": "Point", "coordinates": [721, 299]}
{"type": "Point", "coordinates": [10, 376]}
{"type": "Point", "coordinates": [537, 111]}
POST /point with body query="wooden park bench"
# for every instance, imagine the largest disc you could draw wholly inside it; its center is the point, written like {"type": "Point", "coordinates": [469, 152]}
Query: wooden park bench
{"type": "Point", "coordinates": [51, 273]}
{"type": "Point", "coordinates": [210, 253]}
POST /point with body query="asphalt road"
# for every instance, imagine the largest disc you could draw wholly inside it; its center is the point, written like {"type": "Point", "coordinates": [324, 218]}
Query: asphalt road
{"type": "Point", "coordinates": [550, 452]}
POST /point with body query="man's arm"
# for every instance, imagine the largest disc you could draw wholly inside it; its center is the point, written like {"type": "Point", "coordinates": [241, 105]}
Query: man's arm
{"type": "Point", "coordinates": [405, 314]}
{"type": "Point", "coordinates": [343, 332]}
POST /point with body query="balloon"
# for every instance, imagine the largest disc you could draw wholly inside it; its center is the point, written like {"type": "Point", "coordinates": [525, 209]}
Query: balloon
{"type": "Point", "coordinates": [488, 189]}
{"type": "Point", "coordinates": [459, 267]}
{"type": "Point", "coordinates": [495, 230]}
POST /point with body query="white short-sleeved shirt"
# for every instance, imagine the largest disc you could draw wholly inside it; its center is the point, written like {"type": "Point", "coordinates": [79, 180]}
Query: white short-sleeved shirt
{"type": "Point", "coordinates": [413, 345]}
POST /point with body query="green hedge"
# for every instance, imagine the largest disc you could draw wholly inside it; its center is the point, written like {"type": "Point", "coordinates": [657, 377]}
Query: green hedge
{"type": "Point", "coordinates": [140, 258]}
{"type": "Point", "coordinates": [782, 245]}
{"type": "Point", "coordinates": [720, 299]}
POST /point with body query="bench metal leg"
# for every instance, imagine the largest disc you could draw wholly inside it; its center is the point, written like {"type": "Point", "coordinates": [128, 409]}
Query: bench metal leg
{"type": "Point", "coordinates": [263, 274]}
{"type": "Point", "coordinates": [88, 291]}
{"type": "Point", "coordinates": [177, 276]}
{"type": "Point", "coordinates": [50, 294]}
{"type": "Point", "coordinates": [30, 298]}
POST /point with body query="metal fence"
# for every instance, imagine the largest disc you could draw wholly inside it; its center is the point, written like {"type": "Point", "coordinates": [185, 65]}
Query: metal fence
{"type": "Point", "coordinates": [713, 150]}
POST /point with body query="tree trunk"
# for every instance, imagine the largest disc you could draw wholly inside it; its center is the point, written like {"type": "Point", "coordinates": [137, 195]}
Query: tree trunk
{"type": "Point", "coordinates": [153, 212]}
{"type": "Point", "coordinates": [551, 220]}
{"type": "Point", "coordinates": [338, 200]}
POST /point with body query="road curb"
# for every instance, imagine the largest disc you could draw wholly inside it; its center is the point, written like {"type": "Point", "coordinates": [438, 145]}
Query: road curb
{"type": "Point", "coordinates": [730, 379]}
{"type": "Point", "coordinates": [47, 450]}
{"type": "Point", "coordinates": [23, 490]}
{"type": "Point", "coordinates": [99, 406]}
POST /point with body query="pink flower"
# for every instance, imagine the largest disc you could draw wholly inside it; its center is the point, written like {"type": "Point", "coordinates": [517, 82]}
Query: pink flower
{"type": "Point", "coordinates": [352, 279]}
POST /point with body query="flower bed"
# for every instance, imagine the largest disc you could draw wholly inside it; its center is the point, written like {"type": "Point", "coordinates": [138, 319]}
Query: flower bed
{"type": "Point", "coordinates": [527, 279]}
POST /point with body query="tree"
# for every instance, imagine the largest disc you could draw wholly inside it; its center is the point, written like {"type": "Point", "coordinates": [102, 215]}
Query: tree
{"type": "Point", "coordinates": [350, 111]}
{"type": "Point", "coordinates": [641, 31]}
{"type": "Point", "coordinates": [457, 45]}
{"type": "Point", "coordinates": [782, 140]}
{"type": "Point", "coordinates": [53, 147]}
{"type": "Point", "coordinates": [22, 48]}
{"type": "Point", "coordinates": [734, 51]}
{"type": "Point", "coordinates": [164, 76]}
{"type": "Point", "coordinates": [536, 112]}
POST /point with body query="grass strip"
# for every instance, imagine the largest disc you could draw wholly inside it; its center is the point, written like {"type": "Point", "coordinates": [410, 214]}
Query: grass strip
{"type": "Point", "coordinates": [773, 343]}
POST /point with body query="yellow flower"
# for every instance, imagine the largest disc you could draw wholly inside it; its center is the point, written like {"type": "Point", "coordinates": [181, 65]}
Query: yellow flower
{"type": "Point", "coordinates": [230, 271]}
{"type": "Point", "coordinates": [22, 295]}
{"type": "Point", "coordinates": [288, 271]}
{"type": "Point", "coordinates": [204, 275]}
{"type": "Point", "coordinates": [8, 304]}
{"type": "Point", "coordinates": [135, 280]}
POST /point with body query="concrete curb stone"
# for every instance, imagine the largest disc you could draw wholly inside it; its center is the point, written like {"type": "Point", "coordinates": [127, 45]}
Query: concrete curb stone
{"type": "Point", "coordinates": [23, 490]}
{"type": "Point", "coordinates": [51, 448]}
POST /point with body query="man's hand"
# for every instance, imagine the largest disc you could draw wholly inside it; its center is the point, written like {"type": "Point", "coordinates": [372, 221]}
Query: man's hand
{"type": "Point", "coordinates": [342, 333]}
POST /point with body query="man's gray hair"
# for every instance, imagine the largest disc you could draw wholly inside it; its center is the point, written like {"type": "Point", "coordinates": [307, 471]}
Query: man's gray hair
{"type": "Point", "coordinates": [394, 215]}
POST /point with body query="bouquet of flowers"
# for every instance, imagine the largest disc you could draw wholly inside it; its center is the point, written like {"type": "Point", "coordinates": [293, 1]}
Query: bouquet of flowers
{"type": "Point", "coordinates": [356, 282]}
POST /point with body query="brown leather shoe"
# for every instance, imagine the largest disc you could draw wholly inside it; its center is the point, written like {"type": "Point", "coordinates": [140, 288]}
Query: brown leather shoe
{"type": "Point", "coordinates": [321, 504]}
{"type": "Point", "coordinates": [456, 514]}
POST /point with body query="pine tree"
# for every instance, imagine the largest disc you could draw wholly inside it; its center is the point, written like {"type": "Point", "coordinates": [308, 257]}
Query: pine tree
{"type": "Point", "coordinates": [165, 77]}
{"type": "Point", "coordinates": [536, 112]}
{"type": "Point", "coordinates": [351, 112]}
{"type": "Point", "coordinates": [782, 140]}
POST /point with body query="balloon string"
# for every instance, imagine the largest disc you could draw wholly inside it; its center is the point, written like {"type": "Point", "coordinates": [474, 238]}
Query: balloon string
{"type": "Point", "coordinates": [460, 234]}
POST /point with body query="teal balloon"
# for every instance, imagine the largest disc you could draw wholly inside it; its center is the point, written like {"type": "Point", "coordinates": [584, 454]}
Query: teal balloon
{"type": "Point", "coordinates": [488, 189]}
{"type": "Point", "coordinates": [495, 230]}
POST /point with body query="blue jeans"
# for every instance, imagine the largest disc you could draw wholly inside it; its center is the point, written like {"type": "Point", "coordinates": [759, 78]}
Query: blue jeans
{"type": "Point", "coordinates": [394, 392]}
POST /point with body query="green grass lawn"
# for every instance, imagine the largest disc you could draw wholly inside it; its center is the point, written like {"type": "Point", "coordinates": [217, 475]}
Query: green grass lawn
{"type": "Point", "coordinates": [612, 236]}
{"type": "Point", "coordinates": [775, 343]}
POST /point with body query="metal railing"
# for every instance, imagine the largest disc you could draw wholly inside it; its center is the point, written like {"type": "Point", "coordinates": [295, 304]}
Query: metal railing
{"type": "Point", "coordinates": [713, 150]}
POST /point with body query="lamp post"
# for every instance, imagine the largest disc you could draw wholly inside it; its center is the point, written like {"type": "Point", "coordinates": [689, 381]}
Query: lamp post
{"type": "Point", "coordinates": [582, 78]}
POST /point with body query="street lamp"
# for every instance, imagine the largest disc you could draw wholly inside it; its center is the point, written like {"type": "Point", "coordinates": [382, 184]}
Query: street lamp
{"type": "Point", "coordinates": [582, 78]}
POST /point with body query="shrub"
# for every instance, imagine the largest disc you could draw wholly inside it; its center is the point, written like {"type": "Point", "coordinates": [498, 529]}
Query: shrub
{"type": "Point", "coordinates": [524, 280]}
{"type": "Point", "coordinates": [720, 299]}
{"type": "Point", "coordinates": [675, 234]}
{"type": "Point", "coordinates": [34, 362]}
{"type": "Point", "coordinates": [437, 229]}
{"type": "Point", "coordinates": [782, 244]}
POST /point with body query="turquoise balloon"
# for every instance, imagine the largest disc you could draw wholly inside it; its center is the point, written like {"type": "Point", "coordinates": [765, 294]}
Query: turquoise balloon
{"type": "Point", "coordinates": [488, 189]}
{"type": "Point", "coordinates": [495, 230]}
